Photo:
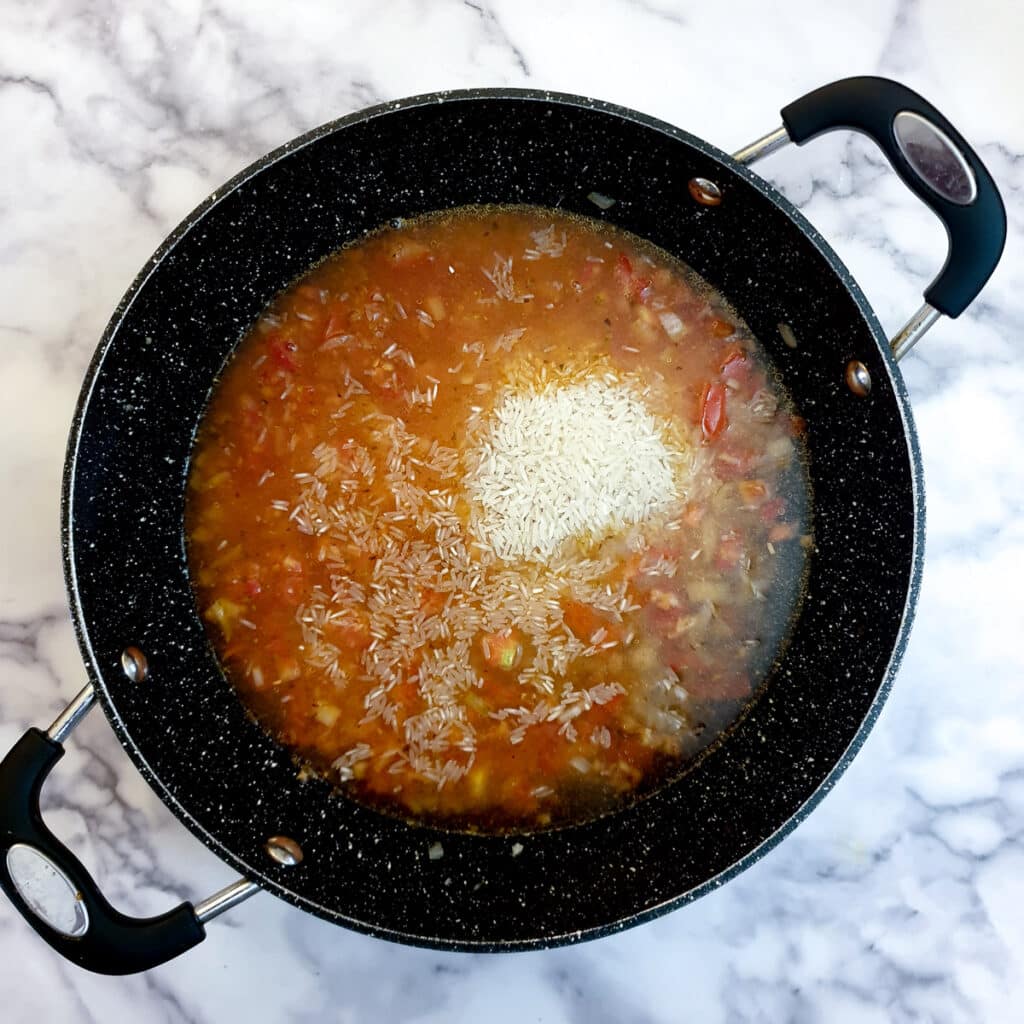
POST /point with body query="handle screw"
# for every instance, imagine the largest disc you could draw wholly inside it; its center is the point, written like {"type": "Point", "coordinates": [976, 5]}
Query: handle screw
{"type": "Point", "coordinates": [284, 850]}
{"type": "Point", "coordinates": [858, 379]}
{"type": "Point", "coordinates": [134, 664]}
{"type": "Point", "coordinates": [706, 192]}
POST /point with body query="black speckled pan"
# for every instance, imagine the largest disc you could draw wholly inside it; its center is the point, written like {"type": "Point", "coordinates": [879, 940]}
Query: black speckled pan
{"type": "Point", "coordinates": [127, 576]}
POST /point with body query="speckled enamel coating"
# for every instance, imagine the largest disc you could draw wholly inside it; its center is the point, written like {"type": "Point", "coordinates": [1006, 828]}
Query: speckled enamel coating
{"type": "Point", "coordinates": [124, 547]}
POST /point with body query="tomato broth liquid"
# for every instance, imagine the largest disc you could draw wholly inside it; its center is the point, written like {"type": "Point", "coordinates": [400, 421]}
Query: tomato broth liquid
{"type": "Point", "coordinates": [441, 632]}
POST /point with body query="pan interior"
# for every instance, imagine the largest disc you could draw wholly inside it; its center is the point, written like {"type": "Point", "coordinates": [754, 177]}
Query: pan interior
{"type": "Point", "coordinates": [369, 566]}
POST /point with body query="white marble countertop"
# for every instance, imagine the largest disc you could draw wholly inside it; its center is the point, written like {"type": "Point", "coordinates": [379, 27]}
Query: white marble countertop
{"type": "Point", "coordinates": [902, 897]}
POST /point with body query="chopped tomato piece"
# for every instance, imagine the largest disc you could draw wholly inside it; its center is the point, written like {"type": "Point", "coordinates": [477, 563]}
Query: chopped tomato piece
{"type": "Point", "coordinates": [633, 285]}
{"type": "Point", "coordinates": [404, 693]}
{"type": "Point", "coordinates": [694, 514]}
{"type": "Point", "coordinates": [584, 621]}
{"type": "Point", "coordinates": [588, 273]}
{"type": "Point", "coordinates": [735, 364]}
{"type": "Point", "coordinates": [432, 602]}
{"type": "Point", "coordinates": [502, 651]}
{"type": "Point", "coordinates": [732, 356]}
{"type": "Point", "coordinates": [336, 324]}
{"type": "Point", "coordinates": [640, 290]}
{"type": "Point", "coordinates": [661, 621]}
{"type": "Point", "coordinates": [282, 352]}
{"type": "Point", "coordinates": [712, 410]}
{"type": "Point", "coordinates": [709, 685]}
{"type": "Point", "coordinates": [730, 551]}
{"type": "Point", "coordinates": [773, 509]}
{"type": "Point", "coordinates": [734, 463]}
{"type": "Point", "coordinates": [721, 328]}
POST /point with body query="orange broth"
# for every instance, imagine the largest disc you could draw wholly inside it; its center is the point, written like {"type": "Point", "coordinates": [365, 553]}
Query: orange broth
{"type": "Point", "coordinates": [331, 522]}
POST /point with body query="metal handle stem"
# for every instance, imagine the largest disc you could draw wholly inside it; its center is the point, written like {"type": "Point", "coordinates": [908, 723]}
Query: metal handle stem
{"type": "Point", "coordinates": [228, 897]}
{"type": "Point", "coordinates": [65, 722]}
{"type": "Point", "coordinates": [762, 147]}
{"type": "Point", "coordinates": [913, 331]}
{"type": "Point", "coordinates": [916, 327]}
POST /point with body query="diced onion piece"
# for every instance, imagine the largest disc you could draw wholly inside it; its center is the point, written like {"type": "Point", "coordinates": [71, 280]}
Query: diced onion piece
{"type": "Point", "coordinates": [752, 492]}
{"type": "Point", "coordinates": [225, 614]}
{"type": "Point", "coordinates": [707, 590]}
{"type": "Point", "coordinates": [478, 782]}
{"type": "Point", "coordinates": [434, 305]}
{"type": "Point", "coordinates": [764, 405]}
{"type": "Point", "coordinates": [644, 658]}
{"type": "Point", "coordinates": [288, 670]}
{"type": "Point", "coordinates": [602, 202]}
{"type": "Point", "coordinates": [674, 326]}
{"type": "Point", "coordinates": [406, 251]}
{"type": "Point", "coordinates": [664, 599]}
{"type": "Point", "coordinates": [327, 714]}
{"type": "Point", "coordinates": [782, 531]}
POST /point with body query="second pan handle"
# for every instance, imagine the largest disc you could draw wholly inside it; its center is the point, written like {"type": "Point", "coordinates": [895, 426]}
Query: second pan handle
{"type": "Point", "coordinates": [934, 161]}
{"type": "Point", "coordinates": [50, 887]}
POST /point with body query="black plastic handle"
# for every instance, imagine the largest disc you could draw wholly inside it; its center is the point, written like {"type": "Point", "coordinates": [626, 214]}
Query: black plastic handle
{"type": "Point", "coordinates": [976, 226]}
{"type": "Point", "coordinates": [112, 943]}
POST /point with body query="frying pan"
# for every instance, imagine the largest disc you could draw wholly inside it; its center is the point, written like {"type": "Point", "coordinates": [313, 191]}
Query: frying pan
{"type": "Point", "coordinates": [151, 666]}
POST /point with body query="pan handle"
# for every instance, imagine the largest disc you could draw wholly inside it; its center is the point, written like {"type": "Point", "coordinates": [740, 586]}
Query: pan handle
{"type": "Point", "coordinates": [935, 162]}
{"type": "Point", "coordinates": [53, 891]}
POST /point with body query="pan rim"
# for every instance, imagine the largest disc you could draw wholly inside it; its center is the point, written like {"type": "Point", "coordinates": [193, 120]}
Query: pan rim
{"type": "Point", "coordinates": [194, 218]}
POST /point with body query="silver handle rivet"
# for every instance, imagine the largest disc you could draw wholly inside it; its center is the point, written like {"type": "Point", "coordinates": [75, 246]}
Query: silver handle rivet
{"type": "Point", "coordinates": [858, 379]}
{"type": "Point", "coordinates": [284, 850]}
{"type": "Point", "coordinates": [706, 192]}
{"type": "Point", "coordinates": [134, 664]}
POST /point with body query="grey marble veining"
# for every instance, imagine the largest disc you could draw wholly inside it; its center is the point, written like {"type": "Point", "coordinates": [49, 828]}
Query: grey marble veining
{"type": "Point", "coordinates": [901, 898]}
